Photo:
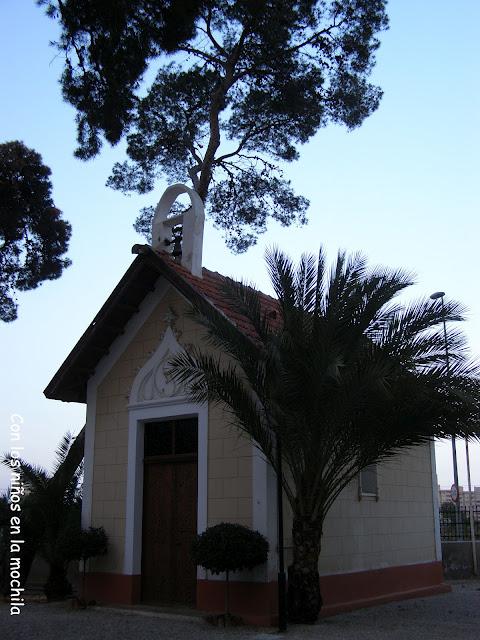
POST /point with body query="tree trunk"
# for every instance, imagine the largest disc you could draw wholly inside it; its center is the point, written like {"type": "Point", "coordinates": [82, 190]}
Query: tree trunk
{"type": "Point", "coordinates": [304, 598]}
{"type": "Point", "coordinates": [57, 586]}
{"type": "Point", "coordinates": [227, 596]}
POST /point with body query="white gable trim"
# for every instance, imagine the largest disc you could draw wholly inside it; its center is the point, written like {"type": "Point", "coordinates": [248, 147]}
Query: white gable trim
{"type": "Point", "coordinates": [435, 501]}
{"type": "Point", "coordinates": [118, 346]}
{"type": "Point", "coordinates": [88, 456]}
{"type": "Point", "coordinates": [265, 518]}
{"type": "Point", "coordinates": [132, 327]}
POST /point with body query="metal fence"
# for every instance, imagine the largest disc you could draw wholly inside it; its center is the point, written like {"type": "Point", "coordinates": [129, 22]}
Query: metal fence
{"type": "Point", "coordinates": [455, 522]}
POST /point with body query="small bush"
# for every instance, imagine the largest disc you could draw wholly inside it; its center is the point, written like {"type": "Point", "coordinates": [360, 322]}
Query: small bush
{"type": "Point", "coordinates": [229, 547]}
{"type": "Point", "coordinates": [82, 544]}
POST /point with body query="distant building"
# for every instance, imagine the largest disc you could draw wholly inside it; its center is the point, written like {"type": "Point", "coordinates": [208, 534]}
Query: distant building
{"type": "Point", "coordinates": [444, 496]}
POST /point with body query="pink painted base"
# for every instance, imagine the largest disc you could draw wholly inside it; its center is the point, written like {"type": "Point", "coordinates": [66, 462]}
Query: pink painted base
{"type": "Point", "coordinates": [256, 602]}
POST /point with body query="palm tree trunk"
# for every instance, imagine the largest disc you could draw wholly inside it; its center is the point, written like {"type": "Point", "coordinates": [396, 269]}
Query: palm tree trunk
{"type": "Point", "coordinates": [304, 598]}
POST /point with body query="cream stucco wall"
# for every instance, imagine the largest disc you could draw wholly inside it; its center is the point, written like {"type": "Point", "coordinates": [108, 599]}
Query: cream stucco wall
{"type": "Point", "coordinates": [397, 529]}
{"type": "Point", "coordinates": [229, 455]}
{"type": "Point", "coordinates": [229, 472]}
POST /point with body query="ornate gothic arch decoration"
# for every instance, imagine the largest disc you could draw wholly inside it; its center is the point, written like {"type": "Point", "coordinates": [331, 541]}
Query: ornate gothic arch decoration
{"type": "Point", "coordinates": [151, 383]}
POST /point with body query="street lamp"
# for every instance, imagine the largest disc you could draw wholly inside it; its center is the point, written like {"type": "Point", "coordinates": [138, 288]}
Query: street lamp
{"type": "Point", "coordinates": [472, 521]}
{"type": "Point", "coordinates": [436, 296]}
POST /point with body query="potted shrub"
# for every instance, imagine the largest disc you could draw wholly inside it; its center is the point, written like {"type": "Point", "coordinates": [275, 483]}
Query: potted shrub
{"type": "Point", "coordinates": [83, 544]}
{"type": "Point", "coordinates": [228, 547]}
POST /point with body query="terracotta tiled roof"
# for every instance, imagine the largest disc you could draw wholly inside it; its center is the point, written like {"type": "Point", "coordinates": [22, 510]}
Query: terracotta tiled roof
{"type": "Point", "coordinates": [211, 285]}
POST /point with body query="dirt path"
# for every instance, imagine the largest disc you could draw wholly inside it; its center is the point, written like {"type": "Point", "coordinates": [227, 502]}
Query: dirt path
{"type": "Point", "coordinates": [452, 616]}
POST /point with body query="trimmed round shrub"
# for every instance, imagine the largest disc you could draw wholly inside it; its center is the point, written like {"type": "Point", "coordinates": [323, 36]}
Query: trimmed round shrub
{"type": "Point", "coordinates": [229, 547]}
{"type": "Point", "coordinates": [83, 544]}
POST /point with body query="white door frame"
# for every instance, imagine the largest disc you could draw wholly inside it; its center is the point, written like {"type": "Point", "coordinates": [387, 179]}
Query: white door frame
{"type": "Point", "coordinates": [138, 416]}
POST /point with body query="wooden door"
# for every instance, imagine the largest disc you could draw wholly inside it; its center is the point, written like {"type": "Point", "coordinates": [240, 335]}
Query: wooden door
{"type": "Point", "coordinates": [169, 527]}
{"type": "Point", "coordinates": [184, 573]}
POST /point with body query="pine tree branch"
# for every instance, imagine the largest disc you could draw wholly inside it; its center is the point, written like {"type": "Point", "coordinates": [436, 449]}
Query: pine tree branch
{"type": "Point", "coordinates": [213, 40]}
{"type": "Point", "coordinates": [208, 57]}
{"type": "Point", "coordinates": [317, 36]}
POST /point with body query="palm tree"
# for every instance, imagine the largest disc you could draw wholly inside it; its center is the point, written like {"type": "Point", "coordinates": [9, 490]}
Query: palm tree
{"type": "Point", "coordinates": [341, 373]}
{"type": "Point", "coordinates": [51, 508]}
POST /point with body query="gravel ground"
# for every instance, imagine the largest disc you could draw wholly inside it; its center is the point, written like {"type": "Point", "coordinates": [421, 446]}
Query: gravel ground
{"type": "Point", "coordinates": [452, 616]}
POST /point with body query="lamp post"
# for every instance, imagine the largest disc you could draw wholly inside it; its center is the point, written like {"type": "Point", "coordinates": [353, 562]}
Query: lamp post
{"type": "Point", "coordinates": [439, 295]}
{"type": "Point", "coordinates": [435, 296]}
{"type": "Point", "coordinates": [470, 505]}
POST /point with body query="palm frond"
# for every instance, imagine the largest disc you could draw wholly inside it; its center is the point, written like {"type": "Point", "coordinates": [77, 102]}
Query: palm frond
{"type": "Point", "coordinates": [349, 377]}
{"type": "Point", "coordinates": [415, 334]}
{"type": "Point", "coordinates": [320, 283]}
{"type": "Point", "coordinates": [34, 477]}
{"type": "Point", "coordinates": [207, 378]}
{"type": "Point", "coordinates": [62, 450]}
{"type": "Point", "coordinates": [69, 458]}
{"type": "Point", "coordinates": [282, 276]}
{"type": "Point", "coordinates": [245, 299]}
{"type": "Point", "coordinates": [306, 284]}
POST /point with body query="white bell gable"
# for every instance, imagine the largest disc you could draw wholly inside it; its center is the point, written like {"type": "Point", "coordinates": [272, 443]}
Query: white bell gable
{"type": "Point", "coordinates": [192, 221]}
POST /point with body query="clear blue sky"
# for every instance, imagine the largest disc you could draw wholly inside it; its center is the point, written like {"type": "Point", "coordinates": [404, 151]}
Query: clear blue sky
{"type": "Point", "coordinates": [403, 189]}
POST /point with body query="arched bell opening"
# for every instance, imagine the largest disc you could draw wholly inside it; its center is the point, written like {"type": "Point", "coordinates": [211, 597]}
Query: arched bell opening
{"type": "Point", "coordinates": [180, 234]}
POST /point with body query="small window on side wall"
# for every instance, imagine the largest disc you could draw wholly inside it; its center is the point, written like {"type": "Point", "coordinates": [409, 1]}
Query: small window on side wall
{"type": "Point", "coordinates": [368, 482]}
